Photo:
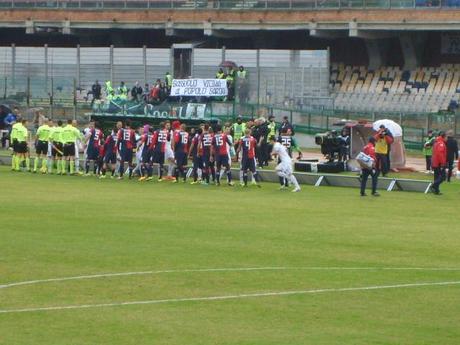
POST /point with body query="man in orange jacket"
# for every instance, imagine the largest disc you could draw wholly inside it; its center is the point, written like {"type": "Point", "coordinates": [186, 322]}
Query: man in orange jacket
{"type": "Point", "coordinates": [439, 161]}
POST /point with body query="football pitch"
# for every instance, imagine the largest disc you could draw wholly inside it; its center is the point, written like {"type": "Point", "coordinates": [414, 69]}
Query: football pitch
{"type": "Point", "coordinates": [84, 262]}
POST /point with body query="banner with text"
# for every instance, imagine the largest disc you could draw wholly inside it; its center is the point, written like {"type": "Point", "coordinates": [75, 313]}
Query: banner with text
{"type": "Point", "coordinates": [199, 87]}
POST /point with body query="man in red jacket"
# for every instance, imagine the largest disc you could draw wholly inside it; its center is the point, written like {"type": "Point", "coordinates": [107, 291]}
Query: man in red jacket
{"type": "Point", "coordinates": [439, 161]}
{"type": "Point", "coordinates": [369, 150]}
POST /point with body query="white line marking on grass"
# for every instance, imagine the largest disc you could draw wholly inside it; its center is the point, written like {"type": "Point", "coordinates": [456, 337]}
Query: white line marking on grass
{"type": "Point", "coordinates": [237, 269]}
{"type": "Point", "coordinates": [229, 297]}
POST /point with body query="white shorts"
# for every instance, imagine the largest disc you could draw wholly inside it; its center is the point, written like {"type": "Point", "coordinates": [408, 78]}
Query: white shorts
{"type": "Point", "coordinates": [169, 153]}
{"type": "Point", "coordinates": [284, 168]}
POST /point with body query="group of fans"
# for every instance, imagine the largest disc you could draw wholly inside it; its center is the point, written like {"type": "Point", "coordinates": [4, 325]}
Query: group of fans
{"type": "Point", "coordinates": [124, 150]}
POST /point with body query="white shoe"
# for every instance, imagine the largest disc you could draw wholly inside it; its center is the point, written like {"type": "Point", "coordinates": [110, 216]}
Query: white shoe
{"type": "Point", "coordinates": [295, 190]}
{"type": "Point", "coordinates": [283, 187]}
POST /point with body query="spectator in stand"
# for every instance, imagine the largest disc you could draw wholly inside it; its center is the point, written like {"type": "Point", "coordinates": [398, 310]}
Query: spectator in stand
{"type": "Point", "coordinates": [452, 153]}
{"type": "Point", "coordinates": [164, 92]}
{"type": "Point", "coordinates": [136, 92]}
{"type": "Point", "coordinates": [382, 140]}
{"type": "Point", "coordinates": [285, 125]}
{"type": "Point", "coordinates": [369, 150]}
{"type": "Point", "coordinates": [122, 92]}
{"type": "Point", "coordinates": [439, 162]}
{"type": "Point", "coordinates": [428, 150]}
{"type": "Point", "coordinates": [168, 82]}
{"type": "Point", "coordinates": [155, 92]}
{"type": "Point", "coordinates": [220, 74]}
{"type": "Point", "coordinates": [146, 92]}
{"type": "Point", "coordinates": [230, 87]}
{"type": "Point", "coordinates": [96, 91]}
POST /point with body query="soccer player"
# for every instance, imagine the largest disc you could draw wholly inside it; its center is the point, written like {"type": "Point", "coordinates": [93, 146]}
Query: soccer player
{"type": "Point", "coordinates": [14, 143]}
{"type": "Point", "coordinates": [248, 145]}
{"type": "Point", "coordinates": [158, 146]}
{"type": "Point", "coordinates": [194, 154]}
{"type": "Point", "coordinates": [57, 147]}
{"type": "Point", "coordinates": [21, 135]}
{"type": "Point", "coordinates": [78, 147]}
{"type": "Point", "coordinates": [220, 152]}
{"type": "Point", "coordinates": [94, 139]}
{"type": "Point", "coordinates": [180, 145]}
{"type": "Point", "coordinates": [145, 144]}
{"type": "Point", "coordinates": [284, 168]}
{"type": "Point", "coordinates": [204, 152]}
{"type": "Point", "coordinates": [41, 146]}
{"type": "Point", "coordinates": [288, 141]}
{"type": "Point", "coordinates": [70, 135]}
{"type": "Point", "coordinates": [110, 153]}
{"type": "Point", "coordinates": [126, 139]}
{"type": "Point", "coordinates": [169, 153]}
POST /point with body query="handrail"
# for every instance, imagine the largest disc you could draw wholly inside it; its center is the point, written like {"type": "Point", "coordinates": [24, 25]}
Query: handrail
{"type": "Point", "coordinates": [232, 5]}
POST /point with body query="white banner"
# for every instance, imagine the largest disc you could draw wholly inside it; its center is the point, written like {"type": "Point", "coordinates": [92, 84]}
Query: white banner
{"type": "Point", "coordinates": [199, 87]}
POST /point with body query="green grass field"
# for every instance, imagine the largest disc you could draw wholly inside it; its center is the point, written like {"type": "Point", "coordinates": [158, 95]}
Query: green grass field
{"type": "Point", "coordinates": [311, 242]}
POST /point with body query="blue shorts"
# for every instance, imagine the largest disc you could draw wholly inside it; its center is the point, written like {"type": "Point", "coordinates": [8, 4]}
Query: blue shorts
{"type": "Point", "coordinates": [159, 157]}
{"type": "Point", "coordinates": [181, 158]}
{"type": "Point", "coordinates": [126, 155]}
{"type": "Point", "coordinates": [146, 156]}
{"type": "Point", "coordinates": [92, 153]}
{"type": "Point", "coordinates": [248, 164]}
{"type": "Point", "coordinates": [222, 160]}
{"type": "Point", "coordinates": [110, 158]}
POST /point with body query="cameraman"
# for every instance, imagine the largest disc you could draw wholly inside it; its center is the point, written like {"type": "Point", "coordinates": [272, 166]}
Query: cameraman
{"type": "Point", "coordinates": [383, 140]}
{"type": "Point", "coordinates": [369, 150]}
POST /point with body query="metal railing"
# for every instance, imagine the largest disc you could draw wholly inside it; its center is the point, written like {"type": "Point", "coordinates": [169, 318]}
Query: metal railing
{"type": "Point", "coordinates": [233, 5]}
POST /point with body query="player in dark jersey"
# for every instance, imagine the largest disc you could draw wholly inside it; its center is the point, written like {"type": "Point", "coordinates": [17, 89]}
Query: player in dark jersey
{"type": "Point", "coordinates": [248, 145]}
{"type": "Point", "coordinates": [180, 144]}
{"type": "Point", "coordinates": [146, 155]}
{"type": "Point", "coordinates": [193, 153]}
{"type": "Point", "coordinates": [109, 154]}
{"type": "Point", "coordinates": [158, 147]}
{"type": "Point", "coordinates": [204, 152]}
{"type": "Point", "coordinates": [220, 152]}
{"type": "Point", "coordinates": [126, 141]}
{"type": "Point", "coordinates": [94, 140]}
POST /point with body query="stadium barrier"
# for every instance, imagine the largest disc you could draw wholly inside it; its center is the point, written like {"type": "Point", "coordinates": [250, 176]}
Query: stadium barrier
{"type": "Point", "coordinates": [321, 180]}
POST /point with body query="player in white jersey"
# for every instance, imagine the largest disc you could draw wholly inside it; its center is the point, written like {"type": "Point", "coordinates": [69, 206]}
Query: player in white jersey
{"type": "Point", "coordinates": [284, 168]}
{"type": "Point", "coordinates": [169, 153]}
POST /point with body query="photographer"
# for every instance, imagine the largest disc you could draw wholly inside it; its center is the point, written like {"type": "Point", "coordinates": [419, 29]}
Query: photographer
{"type": "Point", "coordinates": [369, 150]}
{"type": "Point", "coordinates": [383, 140]}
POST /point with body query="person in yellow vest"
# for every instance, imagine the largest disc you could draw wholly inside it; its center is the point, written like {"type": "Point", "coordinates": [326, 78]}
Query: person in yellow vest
{"type": "Point", "coordinates": [21, 135]}
{"type": "Point", "coordinates": [168, 81]}
{"type": "Point", "coordinates": [122, 92]}
{"type": "Point", "coordinates": [14, 142]}
{"type": "Point", "coordinates": [237, 132]}
{"type": "Point", "coordinates": [271, 133]}
{"type": "Point", "coordinates": [70, 135]}
{"type": "Point", "coordinates": [382, 142]}
{"type": "Point", "coordinates": [108, 88]}
{"type": "Point", "coordinates": [242, 73]}
{"type": "Point", "coordinates": [220, 74]}
{"type": "Point", "coordinates": [41, 146]}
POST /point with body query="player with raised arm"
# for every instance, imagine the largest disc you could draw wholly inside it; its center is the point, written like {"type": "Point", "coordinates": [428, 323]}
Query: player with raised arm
{"type": "Point", "coordinates": [180, 145]}
{"type": "Point", "coordinates": [158, 147]}
{"type": "Point", "coordinates": [126, 139]}
{"type": "Point", "coordinates": [247, 145]}
{"type": "Point", "coordinates": [284, 168]}
{"type": "Point", "coordinates": [220, 152]}
{"type": "Point", "coordinates": [109, 154]}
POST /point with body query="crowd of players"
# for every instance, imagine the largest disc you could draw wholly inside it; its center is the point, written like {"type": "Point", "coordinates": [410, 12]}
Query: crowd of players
{"type": "Point", "coordinates": [126, 151]}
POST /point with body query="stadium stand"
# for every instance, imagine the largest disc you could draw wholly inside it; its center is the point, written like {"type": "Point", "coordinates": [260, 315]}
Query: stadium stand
{"type": "Point", "coordinates": [425, 89]}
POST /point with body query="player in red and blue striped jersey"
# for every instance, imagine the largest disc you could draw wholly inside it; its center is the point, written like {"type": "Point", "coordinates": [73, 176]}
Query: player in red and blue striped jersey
{"type": "Point", "coordinates": [126, 141]}
{"type": "Point", "coordinates": [204, 152]}
{"type": "Point", "coordinates": [220, 152]}
{"type": "Point", "coordinates": [180, 146]}
{"type": "Point", "coordinates": [146, 154]}
{"type": "Point", "coordinates": [109, 153]}
{"type": "Point", "coordinates": [194, 154]}
{"type": "Point", "coordinates": [94, 141]}
{"type": "Point", "coordinates": [158, 147]}
{"type": "Point", "coordinates": [248, 144]}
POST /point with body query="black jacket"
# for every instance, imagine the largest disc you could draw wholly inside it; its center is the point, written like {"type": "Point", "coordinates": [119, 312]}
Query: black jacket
{"type": "Point", "coordinates": [452, 149]}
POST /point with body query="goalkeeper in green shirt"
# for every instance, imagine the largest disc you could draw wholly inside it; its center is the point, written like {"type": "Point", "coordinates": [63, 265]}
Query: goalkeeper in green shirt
{"type": "Point", "coordinates": [41, 146]}
{"type": "Point", "coordinates": [70, 135]}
